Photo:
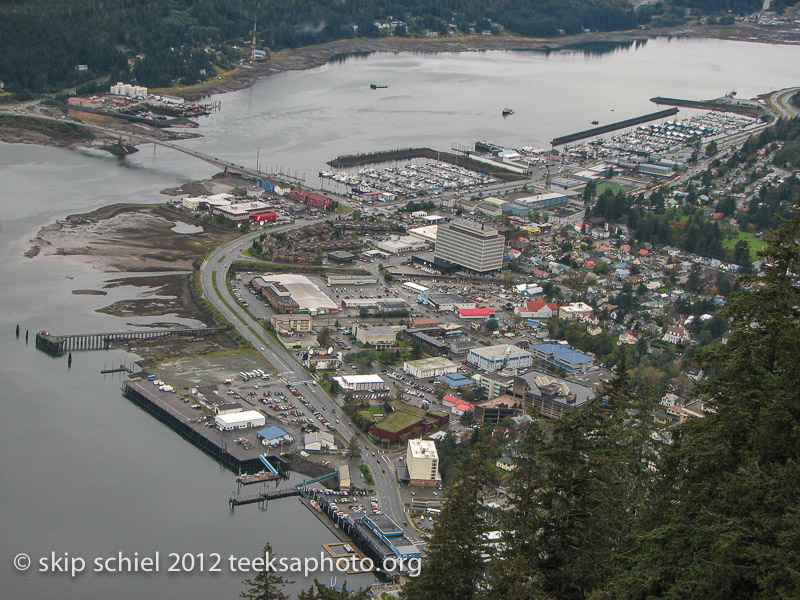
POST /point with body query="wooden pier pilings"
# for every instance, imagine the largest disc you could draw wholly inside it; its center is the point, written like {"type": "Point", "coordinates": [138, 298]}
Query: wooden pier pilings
{"type": "Point", "coordinates": [61, 344]}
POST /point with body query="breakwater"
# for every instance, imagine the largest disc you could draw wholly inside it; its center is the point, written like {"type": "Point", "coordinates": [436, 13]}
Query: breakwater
{"type": "Point", "coordinates": [371, 158]}
{"type": "Point", "coordinates": [742, 109]}
{"type": "Point", "coordinates": [594, 131]}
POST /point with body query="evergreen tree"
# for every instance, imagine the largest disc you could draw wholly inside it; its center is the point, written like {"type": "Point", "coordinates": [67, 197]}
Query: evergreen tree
{"type": "Point", "coordinates": [267, 585]}
{"type": "Point", "coordinates": [574, 498]}
{"type": "Point", "coordinates": [724, 522]}
{"type": "Point", "coordinates": [455, 562]}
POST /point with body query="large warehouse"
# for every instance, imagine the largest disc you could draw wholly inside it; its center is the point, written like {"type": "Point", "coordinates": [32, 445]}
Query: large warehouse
{"type": "Point", "coordinates": [503, 356]}
{"type": "Point", "coordinates": [300, 289]}
{"type": "Point", "coordinates": [361, 383]}
{"type": "Point", "coordinates": [240, 420]}
{"type": "Point", "coordinates": [429, 367]}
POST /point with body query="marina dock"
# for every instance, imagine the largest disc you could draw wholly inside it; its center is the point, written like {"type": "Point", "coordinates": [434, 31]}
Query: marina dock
{"type": "Point", "coordinates": [170, 408]}
{"type": "Point", "coordinates": [263, 497]}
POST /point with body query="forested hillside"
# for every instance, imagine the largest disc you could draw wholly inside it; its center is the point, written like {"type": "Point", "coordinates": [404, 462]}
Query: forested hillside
{"type": "Point", "coordinates": [160, 42]}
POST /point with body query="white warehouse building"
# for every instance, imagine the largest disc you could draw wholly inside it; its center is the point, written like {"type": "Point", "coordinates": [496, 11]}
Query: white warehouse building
{"type": "Point", "coordinates": [496, 358]}
{"type": "Point", "coordinates": [359, 383]}
{"type": "Point", "coordinates": [240, 420]}
{"type": "Point", "coordinates": [429, 367]}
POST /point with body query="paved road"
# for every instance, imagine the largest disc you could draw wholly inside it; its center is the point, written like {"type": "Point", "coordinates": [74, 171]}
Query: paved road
{"type": "Point", "coordinates": [215, 268]}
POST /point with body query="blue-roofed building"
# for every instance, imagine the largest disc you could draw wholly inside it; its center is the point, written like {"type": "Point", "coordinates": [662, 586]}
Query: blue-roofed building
{"type": "Point", "coordinates": [274, 435]}
{"type": "Point", "coordinates": [456, 380]}
{"type": "Point", "coordinates": [561, 355]}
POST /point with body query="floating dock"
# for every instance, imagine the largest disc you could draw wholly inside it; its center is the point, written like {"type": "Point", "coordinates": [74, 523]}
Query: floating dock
{"type": "Point", "coordinates": [263, 497]}
{"type": "Point", "coordinates": [595, 131]}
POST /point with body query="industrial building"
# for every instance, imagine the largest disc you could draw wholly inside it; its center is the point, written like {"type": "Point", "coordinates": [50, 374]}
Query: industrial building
{"type": "Point", "coordinates": [291, 323]}
{"type": "Point", "coordinates": [389, 536]}
{"type": "Point", "coordinates": [245, 419]}
{"type": "Point", "coordinates": [398, 244]}
{"type": "Point", "coordinates": [450, 302]}
{"type": "Point", "coordinates": [561, 355]}
{"type": "Point", "coordinates": [378, 336]}
{"type": "Point", "coordinates": [292, 293]}
{"type": "Point", "coordinates": [429, 367]}
{"type": "Point", "coordinates": [502, 356]}
{"type": "Point", "coordinates": [126, 89]}
{"type": "Point", "coordinates": [319, 441]}
{"type": "Point", "coordinates": [472, 246]}
{"type": "Point", "coordinates": [341, 257]}
{"type": "Point", "coordinates": [352, 280]}
{"type": "Point", "coordinates": [361, 383]}
{"type": "Point", "coordinates": [423, 463]}
{"type": "Point", "coordinates": [274, 436]}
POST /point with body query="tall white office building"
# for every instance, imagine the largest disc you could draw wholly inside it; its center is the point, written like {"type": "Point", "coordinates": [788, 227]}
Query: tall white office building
{"type": "Point", "coordinates": [473, 246]}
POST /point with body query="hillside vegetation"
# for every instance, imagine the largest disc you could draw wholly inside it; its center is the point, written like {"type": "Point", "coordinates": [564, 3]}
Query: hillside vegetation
{"type": "Point", "coordinates": [158, 43]}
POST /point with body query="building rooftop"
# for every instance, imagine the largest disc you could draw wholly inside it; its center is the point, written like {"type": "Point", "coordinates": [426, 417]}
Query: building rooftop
{"type": "Point", "coordinates": [422, 449]}
{"type": "Point", "coordinates": [456, 380]}
{"type": "Point", "coordinates": [355, 379]}
{"type": "Point", "coordinates": [500, 351]}
{"type": "Point", "coordinates": [270, 433]}
{"type": "Point", "coordinates": [563, 352]}
{"type": "Point", "coordinates": [473, 227]}
{"type": "Point", "coordinates": [431, 363]}
{"type": "Point", "coordinates": [557, 389]}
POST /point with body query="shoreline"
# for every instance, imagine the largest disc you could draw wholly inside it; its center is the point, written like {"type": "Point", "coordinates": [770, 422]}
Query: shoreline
{"type": "Point", "coordinates": [312, 57]}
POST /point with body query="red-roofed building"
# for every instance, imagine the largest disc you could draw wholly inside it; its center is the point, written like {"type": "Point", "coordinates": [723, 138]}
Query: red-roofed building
{"type": "Point", "coordinates": [311, 198]}
{"type": "Point", "coordinates": [266, 217]}
{"type": "Point", "coordinates": [476, 313]}
{"type": "Point", "coordinates": [718, 215]}
{"type": "Point", "coordinates": [457, 405]}
{"type": "Point", "coordinates": [643, 252]}
{"type": "Point", "coordinates": [538, 309]}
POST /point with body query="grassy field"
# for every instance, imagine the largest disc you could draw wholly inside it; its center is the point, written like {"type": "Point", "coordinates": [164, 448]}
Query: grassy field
{"type": "Point", "coordinates": [755, 243]}
{"type": "Point", "coordinates": [614, 187]}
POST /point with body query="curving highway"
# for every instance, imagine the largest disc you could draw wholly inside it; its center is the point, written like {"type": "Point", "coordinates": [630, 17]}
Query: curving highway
{"type": "Point", "coordinates": [214, 269]}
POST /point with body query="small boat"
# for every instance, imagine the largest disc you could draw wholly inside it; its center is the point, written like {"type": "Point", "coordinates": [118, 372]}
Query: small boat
{"type": "Point", "coordinates": [374, 86]}
{"type": "Point", "coordinates": [594, 122]}
{"type": "Point", "coordinates": [507, 111]}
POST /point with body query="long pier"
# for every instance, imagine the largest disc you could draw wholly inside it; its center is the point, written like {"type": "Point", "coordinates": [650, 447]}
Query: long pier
{"type": "Point", "coordinates": [263, 497]}
{"type": "Point", "coordinates": [60, 344]}
{"type": "Point", "coordinates": [587, 133]}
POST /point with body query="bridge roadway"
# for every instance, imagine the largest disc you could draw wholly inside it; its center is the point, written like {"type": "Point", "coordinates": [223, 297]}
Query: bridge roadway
{"type": "Point", "coordinates": [146, 139]}
{"type": "Point", "coordinates": [386, 485]}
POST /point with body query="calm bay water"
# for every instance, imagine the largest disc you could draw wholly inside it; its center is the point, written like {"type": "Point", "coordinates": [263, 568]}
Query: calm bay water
{"type": "Point", "coordinates": [85, 471]}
